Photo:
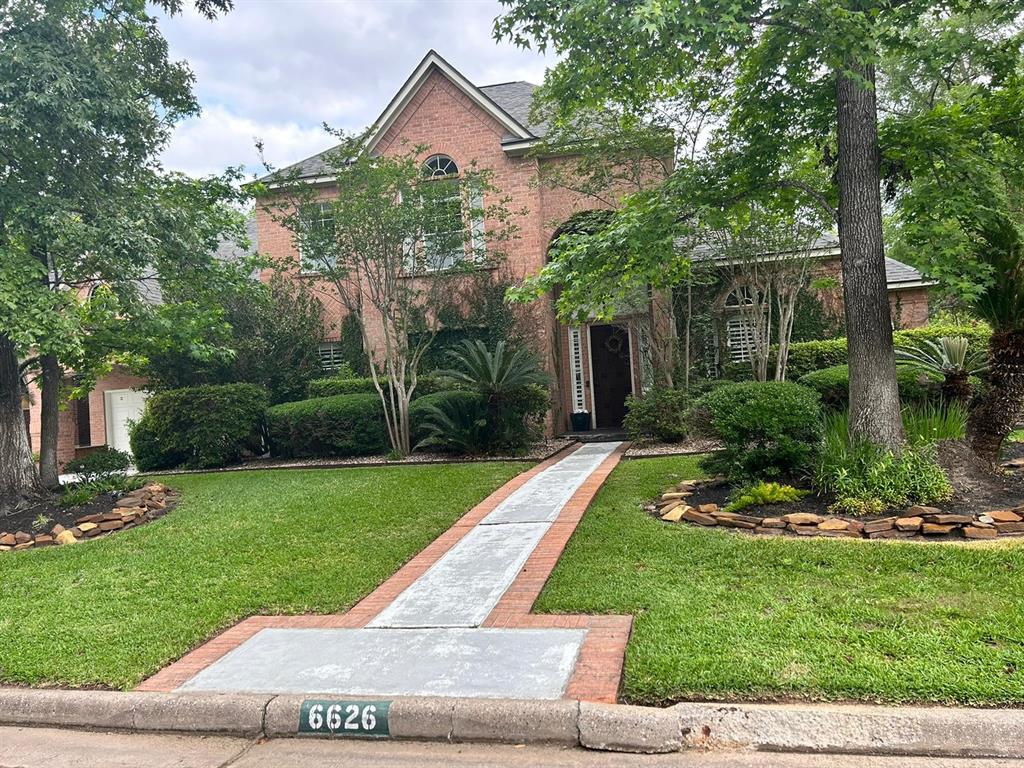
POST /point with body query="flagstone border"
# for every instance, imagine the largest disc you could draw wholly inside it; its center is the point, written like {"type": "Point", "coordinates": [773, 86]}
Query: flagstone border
{"type": "Point", "coordinates": [598, 671]}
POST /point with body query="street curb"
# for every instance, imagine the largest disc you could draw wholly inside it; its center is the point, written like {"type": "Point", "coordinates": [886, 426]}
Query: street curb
{"type": "Point", "coordinates": [855, 729]}
{"type": "Point", "coordinates": [826, 728]}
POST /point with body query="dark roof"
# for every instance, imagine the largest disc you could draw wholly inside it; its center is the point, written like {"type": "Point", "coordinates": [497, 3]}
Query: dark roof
{"type": "Point", "coordinates": [896, 272]}
{"type": "Point", "coordinates": [516, 98]}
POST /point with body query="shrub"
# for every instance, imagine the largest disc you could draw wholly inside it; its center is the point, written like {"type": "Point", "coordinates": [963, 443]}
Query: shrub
{"type": "Point", "coordinates": [868, 479]}
{"type": "Point", "coordinates": [770, 429]}
{"type": "Point", "coordinates": [342, 425]}
{"type": "Point", "coordinates": [349, 385]}
{"type": "Point", "coordinates": [659, 414]}
{"type": "Point", "coordinates": [833, 384]}
{"type": "Point", "coordinates": [334, 385]}
{"type": "Point", "coordinates": [200, 427]}
{"type": "Point", "coordinates": [99, 464]}
{"type": "Point", "coordinates": [763, 493]}
{"type": "Point", "coordinates": [808, 356]}
{"type": "Point", "coordinates": [448, 401]}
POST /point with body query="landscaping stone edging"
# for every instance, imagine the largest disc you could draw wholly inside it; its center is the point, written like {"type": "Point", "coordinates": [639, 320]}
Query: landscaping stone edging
{"type": "Point", "coordinates": [916, 522]}
{"type": "Point", "coordinates": [837, 728]}
{"type": "Point", "coordinates": [140, 506]}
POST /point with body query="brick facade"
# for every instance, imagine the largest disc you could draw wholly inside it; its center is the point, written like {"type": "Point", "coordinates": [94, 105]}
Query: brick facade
{"type": "Point", "coordinates": [68, 444]}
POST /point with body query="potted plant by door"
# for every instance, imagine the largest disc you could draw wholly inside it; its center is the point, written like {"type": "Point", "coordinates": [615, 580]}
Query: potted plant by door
{"type": "Point", "coordinates": [580, 421]}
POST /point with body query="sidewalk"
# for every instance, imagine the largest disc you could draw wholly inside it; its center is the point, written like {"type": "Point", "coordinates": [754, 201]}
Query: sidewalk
{"type": "Point", "coordinates": [453, 622]}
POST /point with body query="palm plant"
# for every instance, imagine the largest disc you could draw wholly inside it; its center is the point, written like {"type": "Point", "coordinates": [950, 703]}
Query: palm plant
{"type": "Point", "coordinates": [950, 358]}
{"type": "Point", "coordinates": [511, 383]}
{"type": "Point", "coordinates": [1001, 303]}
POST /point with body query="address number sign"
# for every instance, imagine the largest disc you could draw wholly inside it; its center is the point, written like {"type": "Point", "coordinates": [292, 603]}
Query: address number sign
{"type": "Point", "coordinates": [344, 718]}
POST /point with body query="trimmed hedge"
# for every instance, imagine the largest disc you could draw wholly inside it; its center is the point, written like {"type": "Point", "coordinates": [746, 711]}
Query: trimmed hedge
{"type": "Point", "coordinates": [200, 427]}
{"type": "Point", "coordinates": [770, 428]}
{"type": "Point", "coordinates": [659, 414]}
{"type": "Point", "coordinates": [808, 356]}
{"type": "Point", "coordinates": [334, 385]}
{"type": "Point", "coordinates": [342, 425]}
{"type": "Point", "coordinates": [833, 384]}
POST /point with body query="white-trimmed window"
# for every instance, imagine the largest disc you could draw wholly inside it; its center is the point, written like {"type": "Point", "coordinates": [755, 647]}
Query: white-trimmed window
{"type": "Point", "coordinates": [331, 358]}
{"type": "Point", "coordinates": [318, 223]}
{"type": "Point", "coordinates": [444, 238]}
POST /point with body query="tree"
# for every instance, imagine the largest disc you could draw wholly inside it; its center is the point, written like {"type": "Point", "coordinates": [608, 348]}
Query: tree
{"type": "Point", "coordinates": [391, 242]}
{"type": "Point", "coordinates": [274, 331]}
{"type": "Point", "coordinates": [87, 97]}
{"type": "Point", "coordinates": [955, 168]}
{"type": "Point", "coordinates": [791, 87]}
{"type": "Point", "coordinates": [765, 255]}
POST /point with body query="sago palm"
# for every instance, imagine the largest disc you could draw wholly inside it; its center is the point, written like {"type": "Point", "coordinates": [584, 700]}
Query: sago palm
{"type": "Point", "coordinates": [951, 358]}
{"type": "Point", "coordinates": [1002, 305]}
{"type": "Point", "coordinates": [496, 374]}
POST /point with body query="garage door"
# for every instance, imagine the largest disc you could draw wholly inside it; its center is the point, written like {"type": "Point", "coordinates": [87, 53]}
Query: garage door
{"type": "Point", "coordinates": [122, 406]}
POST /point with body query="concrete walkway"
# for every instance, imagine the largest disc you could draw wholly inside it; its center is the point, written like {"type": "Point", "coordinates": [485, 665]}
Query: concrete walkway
{"type": "Point", "coordinates": [430, 639]}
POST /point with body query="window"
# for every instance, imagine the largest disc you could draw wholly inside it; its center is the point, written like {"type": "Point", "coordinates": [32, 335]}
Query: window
{"type": "Point", "coordinates": [83, 418]}
{"type": "Point", "coordinates": [318, 225]}
{"type": "Point", "coordinates": [740, 338]}
{"type": "Point", "coordinates": [444, 243]}
{"type": "Point", "coordinates": [331, 358]}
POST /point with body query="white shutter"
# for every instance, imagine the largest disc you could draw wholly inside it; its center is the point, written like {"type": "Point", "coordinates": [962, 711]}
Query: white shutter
{"type": "Point", "coordinates": [477, 238]}
{"type": "Point", "coordinates": [579, 399]}
{"type": "Point", "coordinates": [740, 338]}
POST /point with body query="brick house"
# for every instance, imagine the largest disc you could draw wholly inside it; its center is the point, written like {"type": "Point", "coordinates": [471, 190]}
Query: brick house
{"type": "Point", "coordinates": [594, 366]}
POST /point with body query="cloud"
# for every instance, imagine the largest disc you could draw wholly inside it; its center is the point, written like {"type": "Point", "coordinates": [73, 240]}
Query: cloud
{"type": "Point", "coordinates": [277, 69]}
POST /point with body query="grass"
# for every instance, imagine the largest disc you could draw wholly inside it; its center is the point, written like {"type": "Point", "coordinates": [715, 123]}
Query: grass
{"type": "Point", "coordinates": [727, 615]}
{"type": "Point", "coordinates": [112, 612]}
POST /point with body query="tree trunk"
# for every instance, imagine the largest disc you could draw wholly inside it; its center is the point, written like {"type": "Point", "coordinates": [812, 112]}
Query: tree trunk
{"type": "Point", "coordinates": [874, 397]}
{"type": "Point", "coordinates": [49, 421]}
{"type": "Point", "coordinates": [957, 389]}
{"type": "Point", "coordinates": [17, 470]}
{"type": "Point", "coordinates": [1001, 408]}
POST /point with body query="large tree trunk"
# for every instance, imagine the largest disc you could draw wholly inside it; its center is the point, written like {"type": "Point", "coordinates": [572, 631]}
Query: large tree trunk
{"type": "Point", "coordinates": [874, 398]}
{"type": "Point", "coordinates": [1001, 408]}
{"type": "Point", "coordinates": [49, 421]}
{"type": "Point", "coordinates": [17, 470]}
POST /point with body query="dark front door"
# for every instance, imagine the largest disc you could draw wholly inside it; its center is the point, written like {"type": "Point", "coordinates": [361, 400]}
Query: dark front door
{"type": "Point", "coordinates": [609, 358]}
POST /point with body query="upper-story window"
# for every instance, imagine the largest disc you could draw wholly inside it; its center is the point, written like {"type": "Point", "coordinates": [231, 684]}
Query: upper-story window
{"type": "Point", "coordinates": [444, 238]}
{"type": "Point", "coordinates": [317, 240]}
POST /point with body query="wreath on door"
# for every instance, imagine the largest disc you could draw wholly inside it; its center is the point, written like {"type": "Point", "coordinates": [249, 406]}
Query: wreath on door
{"type": "Point", "coordinates": [614, 343]}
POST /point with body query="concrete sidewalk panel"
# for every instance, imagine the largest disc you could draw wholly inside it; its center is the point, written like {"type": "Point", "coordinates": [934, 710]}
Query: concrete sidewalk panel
{"type": "Point", "coordinates": [934, 731]}
{"type": "Point", "coordinates": [516, 721]}
{"type": "Point", "coordinates": [621, 728]}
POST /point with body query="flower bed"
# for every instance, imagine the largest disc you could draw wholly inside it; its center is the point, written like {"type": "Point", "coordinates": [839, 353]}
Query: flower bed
{"type": "Point", "coordinates": [132, 509]}
{"type": "Point", "coordinates": [680, 504]}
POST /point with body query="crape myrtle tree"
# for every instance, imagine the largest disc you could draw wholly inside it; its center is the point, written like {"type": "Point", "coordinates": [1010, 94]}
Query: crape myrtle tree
{"type": "Point", "coordinates": [391, 240]}
{"type": "Point", "coordinates": [790, 86]}
{"type": "Point", "coordinates": [87, 98]}
{"type": "Point", "coordinates": [954, 165]}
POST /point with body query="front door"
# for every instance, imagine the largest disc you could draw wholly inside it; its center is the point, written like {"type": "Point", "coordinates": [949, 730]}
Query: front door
{"type": "Point", "coordinates": [612, 380]}
{"type": "Point", "coordinates": [122, 406]}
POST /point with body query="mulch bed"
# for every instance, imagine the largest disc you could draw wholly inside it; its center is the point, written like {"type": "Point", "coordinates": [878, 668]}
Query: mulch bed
{"type": "Point", "coordinates": [985, 505]}
{"type": "Point", "coordinates": [642, 449]}
{"type": "Point", "coordinates": [45, 523]}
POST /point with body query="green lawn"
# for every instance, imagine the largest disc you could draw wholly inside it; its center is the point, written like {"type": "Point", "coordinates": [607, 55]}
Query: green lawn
{"type": "Point", "coordinates": [113, 611]}
{"type": "Point", "coordinates": [727, 615]}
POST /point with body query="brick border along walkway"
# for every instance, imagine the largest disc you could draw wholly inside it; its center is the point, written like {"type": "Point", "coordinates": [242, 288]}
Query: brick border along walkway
{"type": "Point", "coordinates": [598, 671]}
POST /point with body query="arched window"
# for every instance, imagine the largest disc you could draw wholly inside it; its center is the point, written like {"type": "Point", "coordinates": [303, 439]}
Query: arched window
{"type": "Point", "coordinates": [439, 167]}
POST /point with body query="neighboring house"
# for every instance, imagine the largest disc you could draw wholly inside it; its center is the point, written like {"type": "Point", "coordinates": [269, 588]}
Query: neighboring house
{"type": "Point", "coordinates": [595, 366]}
{"type": "Point", "coordinates": [102, 417]}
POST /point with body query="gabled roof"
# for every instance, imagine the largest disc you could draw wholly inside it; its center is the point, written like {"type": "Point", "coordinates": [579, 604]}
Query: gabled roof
{"type": "Point", "coordinates": [508, 103]}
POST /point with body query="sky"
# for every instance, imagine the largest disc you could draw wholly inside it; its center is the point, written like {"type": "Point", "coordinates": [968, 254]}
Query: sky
{"type": "Point", "coordinates": [277, 70]}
